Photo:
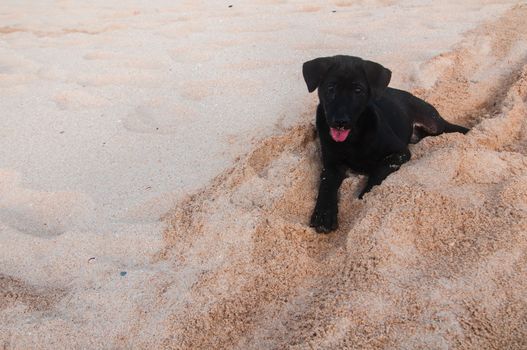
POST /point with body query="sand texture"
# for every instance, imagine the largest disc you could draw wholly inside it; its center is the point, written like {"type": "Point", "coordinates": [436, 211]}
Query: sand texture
{"type": "Point", "coordinates": [434, 258]}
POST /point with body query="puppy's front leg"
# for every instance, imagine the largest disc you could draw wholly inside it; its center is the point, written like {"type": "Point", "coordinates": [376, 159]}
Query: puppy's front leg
{"type": "Point", "coordinates": [324, 217]}
{"type": "Point", "coordinates": [387, 166]}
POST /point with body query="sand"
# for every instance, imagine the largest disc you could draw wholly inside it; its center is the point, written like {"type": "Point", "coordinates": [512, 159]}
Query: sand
{"type": "Point", "coordinates": [114, 116]}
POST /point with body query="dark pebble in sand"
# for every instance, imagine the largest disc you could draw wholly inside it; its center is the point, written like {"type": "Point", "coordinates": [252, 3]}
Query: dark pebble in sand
{"type": "Point", "coordinates": [230, 6]}
{"type": "Point", "coordinates": [123, 273]}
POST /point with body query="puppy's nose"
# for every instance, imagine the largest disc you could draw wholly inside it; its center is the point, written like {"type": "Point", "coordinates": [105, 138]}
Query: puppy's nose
{"type": "Point", "coordinates": [340, 123]}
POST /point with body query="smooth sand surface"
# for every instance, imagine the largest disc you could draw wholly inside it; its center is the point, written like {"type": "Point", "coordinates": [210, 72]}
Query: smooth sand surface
{"type": "Point", "coordinates": [116, 115]}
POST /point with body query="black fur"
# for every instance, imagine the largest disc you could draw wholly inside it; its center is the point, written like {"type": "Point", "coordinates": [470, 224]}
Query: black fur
{"type": "Point", "coordinates": [379, 122]}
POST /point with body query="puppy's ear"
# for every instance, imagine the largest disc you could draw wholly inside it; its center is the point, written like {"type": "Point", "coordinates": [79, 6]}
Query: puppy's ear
{"type": "Point", "coordinates": [315, 70]}
{"type": "Point", "coordinates": [378, 77]}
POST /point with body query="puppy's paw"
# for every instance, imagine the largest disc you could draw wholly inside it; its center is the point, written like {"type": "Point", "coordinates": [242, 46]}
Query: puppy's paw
{"type": "Point", "coordinates": [395, 160]}
{"type": "Point", "coordinates": [324, 220]}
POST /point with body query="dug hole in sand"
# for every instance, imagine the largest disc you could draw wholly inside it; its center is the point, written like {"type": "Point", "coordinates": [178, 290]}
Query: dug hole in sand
{"type": "Point", "coordinates": [434, 258]}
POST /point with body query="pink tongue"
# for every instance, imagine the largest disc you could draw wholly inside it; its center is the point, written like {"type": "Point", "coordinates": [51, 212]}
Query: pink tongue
{"type": "Point", "coordinates": [339, 135]}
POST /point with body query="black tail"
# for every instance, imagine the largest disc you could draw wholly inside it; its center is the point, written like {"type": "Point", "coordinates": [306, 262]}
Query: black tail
{"type": "Point", "coordinates": [455, 128]}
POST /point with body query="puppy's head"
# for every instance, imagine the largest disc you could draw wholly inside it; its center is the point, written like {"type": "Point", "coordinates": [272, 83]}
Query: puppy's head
{"type": "Point", "coordinates": [346, 85]}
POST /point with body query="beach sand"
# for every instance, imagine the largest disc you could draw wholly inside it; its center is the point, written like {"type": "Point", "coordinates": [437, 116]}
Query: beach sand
{"type": "Point", "coordinates": [159, 165]}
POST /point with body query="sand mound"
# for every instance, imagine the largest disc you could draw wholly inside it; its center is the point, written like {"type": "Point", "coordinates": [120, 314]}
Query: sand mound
{"type": "Point", "coordinates": [433, 258]}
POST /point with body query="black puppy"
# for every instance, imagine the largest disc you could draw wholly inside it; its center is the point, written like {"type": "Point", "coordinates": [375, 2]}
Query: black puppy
{"type": "Point", "coordinates": [363, 125]}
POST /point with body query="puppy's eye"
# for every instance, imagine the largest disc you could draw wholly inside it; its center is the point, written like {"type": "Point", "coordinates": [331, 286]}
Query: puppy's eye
{"type": "Point", "coordinates": [357, 89]}
{"type": "Point", "coordinates": [330, 92]}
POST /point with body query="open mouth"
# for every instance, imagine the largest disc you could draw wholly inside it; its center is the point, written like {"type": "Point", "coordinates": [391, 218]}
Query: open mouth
{"type": "Point", "coordinates": [339, 134]}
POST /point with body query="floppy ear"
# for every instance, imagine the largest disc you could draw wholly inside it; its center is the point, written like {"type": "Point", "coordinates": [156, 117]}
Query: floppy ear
{"type": "Point", "coordinates": [315, 70]}
{"type": "Point", "coordinates": [378, 77]}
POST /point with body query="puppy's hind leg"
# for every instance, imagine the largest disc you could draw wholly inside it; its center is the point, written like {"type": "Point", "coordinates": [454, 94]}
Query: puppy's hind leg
{"type": "Point", "coordinates": [430, 123]}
